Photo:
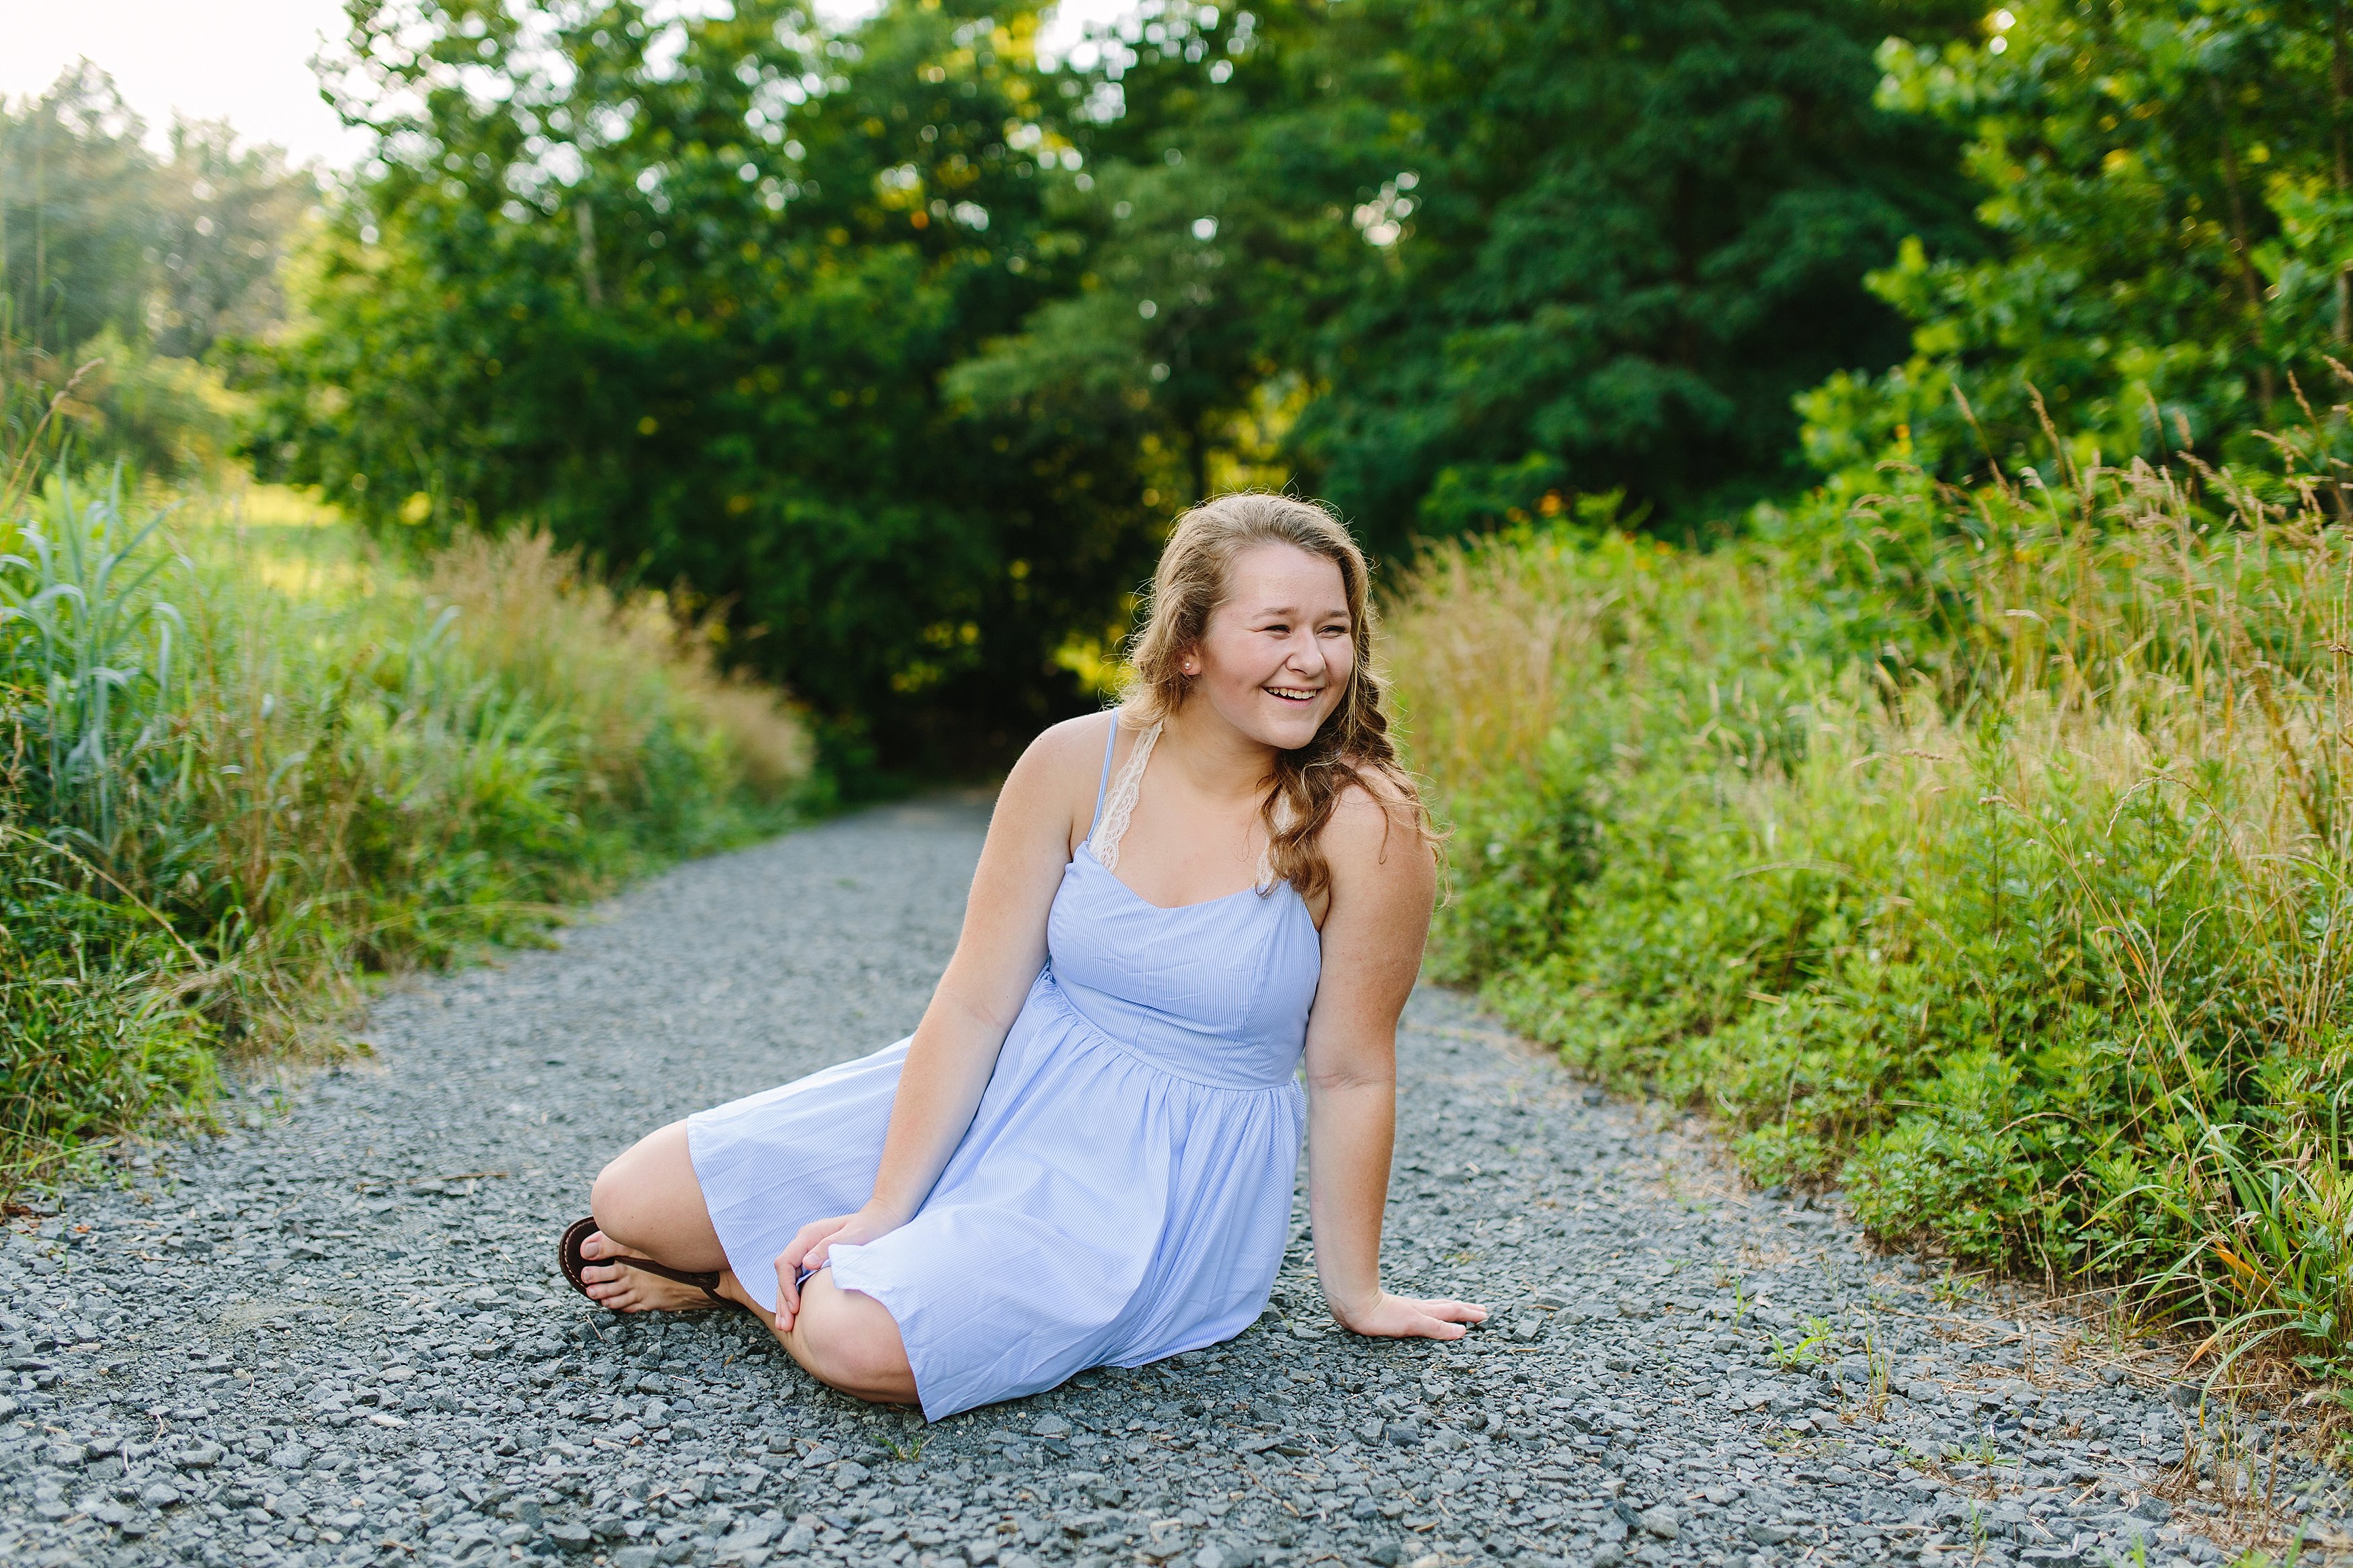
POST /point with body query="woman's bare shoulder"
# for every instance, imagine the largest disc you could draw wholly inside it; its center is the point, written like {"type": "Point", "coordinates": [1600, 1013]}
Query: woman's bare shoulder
{"type": "Point", "coordinates": [1376, 830]}
{"type": "Point", "coordinates": [1074, 744]}
{"type": "Point", "coordinates": [1060, 766]}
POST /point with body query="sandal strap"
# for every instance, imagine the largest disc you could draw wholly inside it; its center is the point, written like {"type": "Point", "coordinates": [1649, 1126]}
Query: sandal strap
{"type": "Point", "coordinates": [708, 1283]}
{"type": "Point", "coordinates": [574, 1260]}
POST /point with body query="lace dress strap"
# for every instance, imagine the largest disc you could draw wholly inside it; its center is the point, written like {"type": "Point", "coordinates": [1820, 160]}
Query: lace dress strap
{"type": "Point", "coordinates": [1111, 815]}
{"type": "Point", "coordinates": [1102, 780]}
{"type": "Point", "coordinates": [1266, 850]}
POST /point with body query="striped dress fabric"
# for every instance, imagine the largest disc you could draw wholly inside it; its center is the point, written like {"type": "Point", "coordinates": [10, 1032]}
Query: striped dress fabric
{"type": "Point", "coordinates": [1123, 1192]}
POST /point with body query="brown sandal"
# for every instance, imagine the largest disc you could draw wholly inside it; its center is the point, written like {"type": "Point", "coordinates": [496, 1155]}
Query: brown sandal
{"type": "Point", "coordinates": [575, 1260]}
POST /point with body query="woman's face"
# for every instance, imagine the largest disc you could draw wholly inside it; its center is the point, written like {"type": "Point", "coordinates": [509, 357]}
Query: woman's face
{"type": "Point", "coordinates": [1278, 652]}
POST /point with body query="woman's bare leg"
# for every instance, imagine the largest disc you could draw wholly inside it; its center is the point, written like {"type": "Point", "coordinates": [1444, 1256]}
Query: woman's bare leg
{"type": "Point", "coordinates": [847, 1339]}
{"type": "Point", "coordinates": [648, 1203]}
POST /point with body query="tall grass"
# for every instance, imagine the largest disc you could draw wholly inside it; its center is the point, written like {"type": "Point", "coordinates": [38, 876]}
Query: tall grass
{"type": "Point", "coordinates": [242, 776]}
{"type": "Point", "coordinates": [1986, 852]}
{"type": "Point", "coordinates": [96, 642]}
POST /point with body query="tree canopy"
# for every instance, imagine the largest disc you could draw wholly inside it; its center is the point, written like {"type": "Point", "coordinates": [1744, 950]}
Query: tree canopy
{"type": "Point", "coordinates": [902, 344]}
{"type": "Point", "coordinates": [139, 262]}
{"type": "Point", "coordinates": [687, 293]}
{"type": "Point", "coordinates": [96, 232]}
{"type": "Point", "coordinates": [2168, 190]}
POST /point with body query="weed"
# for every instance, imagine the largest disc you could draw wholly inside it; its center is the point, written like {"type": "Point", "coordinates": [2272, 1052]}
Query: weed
{"type": "Point", "coordinates": [1983, 1450]}
{"type": "Point", "coordinates": [1807, 1351]}
{"type": "Point", "coordinates": [1728, 1279]}
{"type": "Point", "coordinates": [1881, 1370]}
{"type": "Point", "coordinates": [1948, 1290]}
{"type": "Point", "coordinates": [2256, 1557]}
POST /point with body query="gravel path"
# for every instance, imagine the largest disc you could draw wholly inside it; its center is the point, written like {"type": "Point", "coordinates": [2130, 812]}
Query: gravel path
{"type": "Point", "coordinates": [336, 1334]}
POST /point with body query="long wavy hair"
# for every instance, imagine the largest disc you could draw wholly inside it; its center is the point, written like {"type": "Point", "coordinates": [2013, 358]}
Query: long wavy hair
{"type": "Point", "coordinates": [1195, 576]}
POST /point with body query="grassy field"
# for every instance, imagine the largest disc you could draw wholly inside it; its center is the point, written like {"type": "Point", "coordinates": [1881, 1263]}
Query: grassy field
{"type": "Point", "coordinates": [253, 761]}
{"type": "Point", "coordinates": [1984, 853]}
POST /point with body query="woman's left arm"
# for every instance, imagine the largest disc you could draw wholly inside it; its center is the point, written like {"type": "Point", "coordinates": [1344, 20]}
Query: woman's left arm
{"type": "Point", "coordinates": [1383, 888]}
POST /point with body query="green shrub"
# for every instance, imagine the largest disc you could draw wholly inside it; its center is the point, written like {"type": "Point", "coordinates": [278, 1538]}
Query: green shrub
{"type": "Point", "coordinates": [1982, 852]}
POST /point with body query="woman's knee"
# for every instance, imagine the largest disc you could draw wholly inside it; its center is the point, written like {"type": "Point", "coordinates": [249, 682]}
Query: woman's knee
{"type": "Point", "coordinates": [848, 1342]}
{"type": "Point", "coordinates": [628, 1196]}
{"type": "Point", "coordinates": [610, 1200]}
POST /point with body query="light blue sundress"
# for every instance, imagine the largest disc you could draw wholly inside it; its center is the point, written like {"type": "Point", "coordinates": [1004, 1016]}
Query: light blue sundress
{"type": "Point", "coordinates": [1123, 1192]}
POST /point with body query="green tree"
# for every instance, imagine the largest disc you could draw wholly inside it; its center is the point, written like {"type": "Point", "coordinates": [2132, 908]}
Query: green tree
{"type": "Point", "coordinates": [96, 232]}
{"type": "Point", "coordinates": [1502, 247]}
{"type": "Point", "coordinates": [120, 269]}
{"type": "Point", "coordinates": [2169, 184]}
{"type": "Point", "coordinates": [225, 220]}
{"type": "Point", "coordinates": [1634, 230]}
{"type": "Point", "coordinates": [78, 195]}
{"type": "Point", "coordinates": [902, 344]}
{"type": "Point", "coordinates": [1205, 247]}
{"type": "Point", "coordinates": [686, 293]}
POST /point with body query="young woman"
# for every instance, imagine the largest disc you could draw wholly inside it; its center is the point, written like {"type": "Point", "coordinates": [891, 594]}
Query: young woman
{"type": "Point", "coordinates": [1084, 1153]}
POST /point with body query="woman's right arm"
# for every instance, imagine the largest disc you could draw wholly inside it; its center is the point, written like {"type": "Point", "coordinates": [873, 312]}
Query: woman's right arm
{"type": "Point", "coordinates": [997, 957]}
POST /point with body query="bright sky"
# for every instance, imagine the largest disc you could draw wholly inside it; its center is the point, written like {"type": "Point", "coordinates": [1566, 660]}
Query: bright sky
{"type": "Point", "coordinates": [246, 62]}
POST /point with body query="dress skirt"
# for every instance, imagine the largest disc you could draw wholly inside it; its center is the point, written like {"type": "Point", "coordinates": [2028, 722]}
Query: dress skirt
{"type": "Point", "coordinates": [1102, 1208]}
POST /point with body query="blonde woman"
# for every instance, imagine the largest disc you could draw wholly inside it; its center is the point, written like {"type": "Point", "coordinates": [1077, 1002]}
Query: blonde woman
{"type": "Point", "coordinates": [1084, 1153]}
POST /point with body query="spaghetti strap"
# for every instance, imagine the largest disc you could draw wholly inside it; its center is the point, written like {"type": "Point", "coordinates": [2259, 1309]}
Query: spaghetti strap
{"type": "Point", "coordinates": [1113, 812]}
{"type": "Point", "coordinates": [1104, 784]}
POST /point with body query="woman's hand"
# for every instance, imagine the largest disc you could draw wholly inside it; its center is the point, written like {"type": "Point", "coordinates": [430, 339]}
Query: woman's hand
{"type": "Point", "coordinates": [812, 1249]}
{"type": "Point", "coordinates": [1410, 1318]}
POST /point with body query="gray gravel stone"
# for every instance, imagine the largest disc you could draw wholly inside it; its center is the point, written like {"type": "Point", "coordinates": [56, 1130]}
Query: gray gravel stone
{"type": "Point", "coordinates": [334, 1335]}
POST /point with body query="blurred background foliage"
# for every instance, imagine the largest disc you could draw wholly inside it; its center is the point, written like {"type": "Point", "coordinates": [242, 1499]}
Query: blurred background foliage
{"type": "Point", "coordinates": [898, 342]}
{"type": "Point", "coordinates": [903, 343]}
{"type": "Point", "coordinates": [132, 276]}
{"type": "Point", "coordinates": [2168, 190]}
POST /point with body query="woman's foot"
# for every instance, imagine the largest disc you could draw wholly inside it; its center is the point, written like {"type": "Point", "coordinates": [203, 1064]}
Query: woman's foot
{"type": "Point", "coordinates": [626, 1290]}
